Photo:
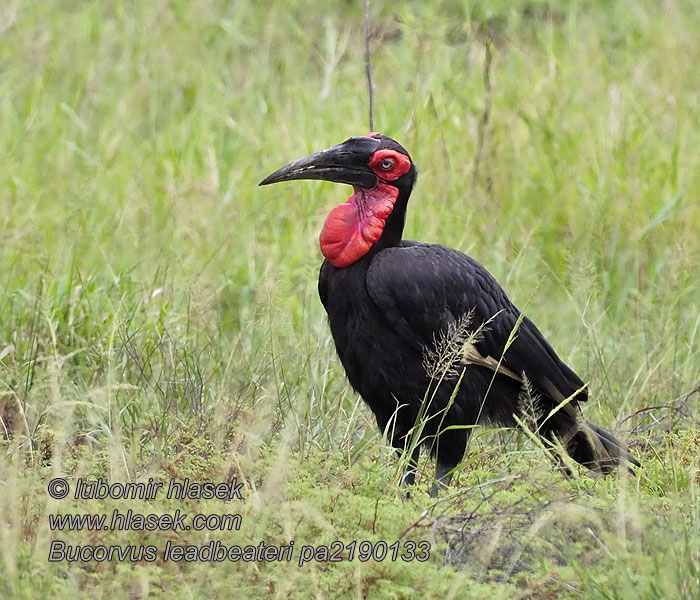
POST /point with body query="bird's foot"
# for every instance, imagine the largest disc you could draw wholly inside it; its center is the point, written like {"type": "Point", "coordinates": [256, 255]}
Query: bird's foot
{"type": "Point", "coordinates": [443, 476]}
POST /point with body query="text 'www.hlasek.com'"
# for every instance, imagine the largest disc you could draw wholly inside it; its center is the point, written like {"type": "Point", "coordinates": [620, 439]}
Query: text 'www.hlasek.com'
{"type": "Point", "coordinates": [181, 522]}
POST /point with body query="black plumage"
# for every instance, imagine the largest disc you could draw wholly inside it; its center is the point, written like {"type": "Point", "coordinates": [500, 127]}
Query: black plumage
{"type": "Point", "coordinates": [412, 321]}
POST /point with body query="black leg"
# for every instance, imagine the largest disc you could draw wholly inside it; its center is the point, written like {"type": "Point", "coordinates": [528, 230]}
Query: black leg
{"type": "Point", "coordinates": [409, 476]}
{"type": "Point", "coordinates": [443, 476]}
{"type": "Point", "coordinates": [449, 451]}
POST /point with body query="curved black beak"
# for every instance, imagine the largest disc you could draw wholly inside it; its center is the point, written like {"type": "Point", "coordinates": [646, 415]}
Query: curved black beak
{"type": "Point", "coordinates": [344, 163]}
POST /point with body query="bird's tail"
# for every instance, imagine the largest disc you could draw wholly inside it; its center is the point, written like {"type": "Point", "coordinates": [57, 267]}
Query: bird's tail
{"type": "Point", "coordinates": [588, 444]}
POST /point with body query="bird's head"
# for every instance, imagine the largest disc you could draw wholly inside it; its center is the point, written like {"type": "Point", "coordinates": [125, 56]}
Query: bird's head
{"type": "Point", "coordinates": [382, 175]}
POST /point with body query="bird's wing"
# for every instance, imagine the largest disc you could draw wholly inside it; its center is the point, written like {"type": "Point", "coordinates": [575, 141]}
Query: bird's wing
{"type": "Point", "coordinates": [425, 291]}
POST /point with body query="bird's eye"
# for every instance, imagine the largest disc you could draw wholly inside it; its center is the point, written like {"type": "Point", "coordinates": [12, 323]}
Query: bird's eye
{"type": "Point", "coordinates": [387, 164]}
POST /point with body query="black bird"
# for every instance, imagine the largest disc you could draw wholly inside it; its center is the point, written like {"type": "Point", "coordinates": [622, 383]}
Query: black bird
{"type": "Point", "coordinates": [411, 322]}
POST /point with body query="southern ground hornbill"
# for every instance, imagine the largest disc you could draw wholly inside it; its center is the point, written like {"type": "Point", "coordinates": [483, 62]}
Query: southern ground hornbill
{"type": "Point", "coordinates": [414, 322]}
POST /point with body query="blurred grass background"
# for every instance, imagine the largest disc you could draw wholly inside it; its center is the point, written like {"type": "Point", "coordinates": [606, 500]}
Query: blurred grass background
{"type": "Point", "coordinates": [160, 315]}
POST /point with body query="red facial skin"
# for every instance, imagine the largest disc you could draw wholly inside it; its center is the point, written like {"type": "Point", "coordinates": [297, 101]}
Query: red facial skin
{"type": "Point", "coordinates": [353, 227]}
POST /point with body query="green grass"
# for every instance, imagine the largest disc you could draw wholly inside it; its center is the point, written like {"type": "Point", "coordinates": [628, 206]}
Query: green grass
{"type": "Point", "coordinates": [159, 313]}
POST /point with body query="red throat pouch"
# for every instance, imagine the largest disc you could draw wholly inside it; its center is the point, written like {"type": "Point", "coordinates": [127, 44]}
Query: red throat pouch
{"type": "Point", "coordinates": [353, 227]}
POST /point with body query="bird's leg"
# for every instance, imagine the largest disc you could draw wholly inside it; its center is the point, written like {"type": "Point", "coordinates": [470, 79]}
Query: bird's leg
{"type": "Point", "coordinates": [409, 475]}
{"type": "Point", "coordinates": [443, 476]}
{"type": "Point", "coordinates": [453, 444]}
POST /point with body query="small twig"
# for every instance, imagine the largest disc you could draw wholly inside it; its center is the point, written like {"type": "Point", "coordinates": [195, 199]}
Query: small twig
{"type": "Point", "coordinates": [674, 407]}
{"type": "Point", "coordinates": [486, 113]}
{"type": "Point", "coordinates": [413, 525]}
{"type": "Point", "coordinates": [368, 68]}
{"type": "Point", "coordinates": [376, 510]}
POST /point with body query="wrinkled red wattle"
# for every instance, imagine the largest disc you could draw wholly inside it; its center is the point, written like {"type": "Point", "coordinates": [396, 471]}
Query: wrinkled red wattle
{"type": "Point", "coordinates": [353, 227]}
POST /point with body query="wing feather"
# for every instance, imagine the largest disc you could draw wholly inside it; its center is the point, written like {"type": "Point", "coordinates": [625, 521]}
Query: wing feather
{"type": "Point", "coordinates": [424, 289]}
